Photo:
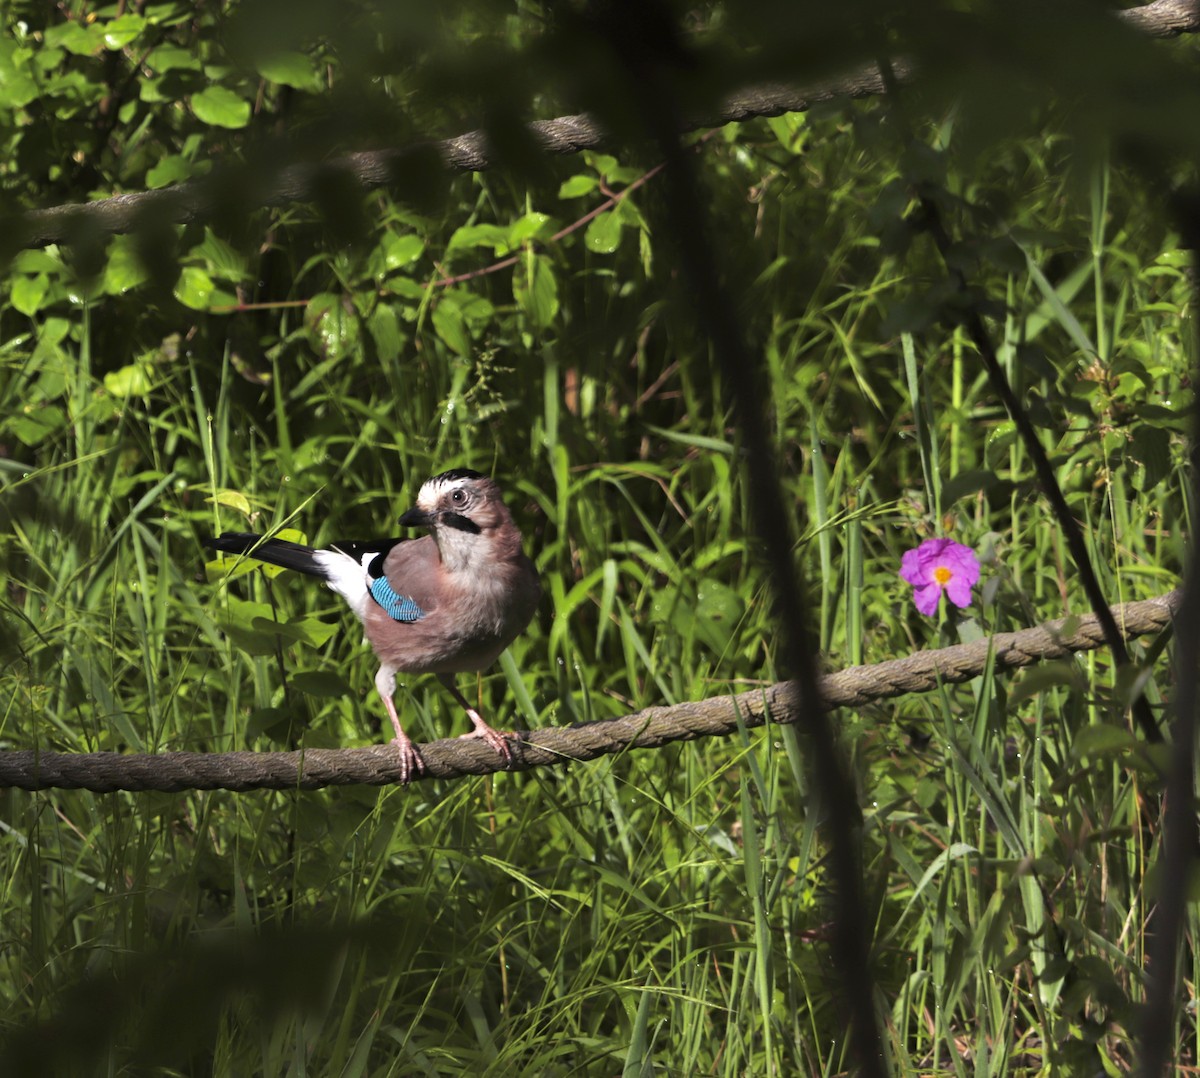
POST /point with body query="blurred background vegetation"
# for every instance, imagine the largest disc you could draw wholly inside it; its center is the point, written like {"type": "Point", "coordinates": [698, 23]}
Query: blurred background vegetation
{"type": "Point", "coordinates": [306, 364]}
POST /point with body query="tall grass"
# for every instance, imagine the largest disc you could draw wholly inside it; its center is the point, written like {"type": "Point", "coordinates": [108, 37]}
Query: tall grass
{"type": "Point", "coordinates": [657, 912]}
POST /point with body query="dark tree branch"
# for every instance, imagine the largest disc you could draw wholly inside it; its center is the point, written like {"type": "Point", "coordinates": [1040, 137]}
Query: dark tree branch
{"type": "Point", "coordinates": [471, 152]}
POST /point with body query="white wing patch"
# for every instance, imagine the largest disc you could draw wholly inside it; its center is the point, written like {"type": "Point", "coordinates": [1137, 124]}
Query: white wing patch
{"type": "Point", "coordinates": [347, 576]}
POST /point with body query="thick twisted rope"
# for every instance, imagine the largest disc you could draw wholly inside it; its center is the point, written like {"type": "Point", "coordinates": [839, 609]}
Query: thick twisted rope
{"type": "Point", "coordinates": [378, 765]}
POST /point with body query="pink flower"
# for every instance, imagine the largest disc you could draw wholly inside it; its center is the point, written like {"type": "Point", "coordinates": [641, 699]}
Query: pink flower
{"type": "Point", "coordinates": [939, 565]}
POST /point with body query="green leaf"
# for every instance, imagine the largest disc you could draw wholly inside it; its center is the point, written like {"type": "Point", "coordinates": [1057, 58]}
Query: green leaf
{"type": "Point", "coordinates": [407, 288]}
{"type": "Point", "coordinates": [536, 290]}
{"type": "Point", "coordinates": [700, 441]}
{"type": "Point", "coordinates": [272, 722]}
{"type": "Point", "coordinates": [718, 610]}
{"type": "Point", "coordinates": [1102, 740]}
{"type": "Point", "coordinates": [35, 262]}
{"type": "Point", "coordinates": [17, 86]}
{"type": "Point", "coordinates": [788, 129]}
{"type": "Point", "coordinates": [533, 226]}
{"type": "Point", "coordinates": [577, 186]}
{"type": "Point", "coordinates": [76, 38]}
{"type": "Point", "coordinates": [460, 316]}
{"type": "Point", "coordinates": [324, 683]}
{"type": "Point", "coordinates": [999, 438]}
{"type": "Point", "coordinates": [220, 107]}
{"type": "Point", "coordinates": [255, 628]}
{"type": "Point", "coordinates": [1151, 448]}
{"type": "Point", "coordinates": [401, 250]}
{"type": "Point", "coordinates": [122, 30]}
{"type": "Point", "coordinates": [603, 235]}
{"type": "Point", "coordinates": [313, 631]}
{"type": "Point", "coordinates": [384, 327]}
{"type": "Point", "coordinates": [286, 631]}
{"type": "Point", "coordinates": [477, 311]}
{"type": "Point", "coordinates": [170, 169]}
{"type": "Point", "coordinates": [35, 422]}
{"type": "Point", "coordinates": [333, 327]}
{"type": "Point", "coordinates": [449, 324]}
{"type": "Point", "coordinates": [169, 58]}
{"type": "Point", "coordinates": [124, 270]}
{"type": "Point", "coordinates": [611, 169]}
{"type": "Point", "coordinates": [224, 262]}
{"type": "Point", "coordinates": [290, 69]}
{"type": "Point", "coordinates": [132, 380]}
{"type": "Point", "coordinates": [233, 499]}
{"type": "Point", "coordinates": [29, 292]}
{"type": "Point", "coordinates": [241, 621]}
{"type": "Point", "coordinates": [231, 566]}
{"type": "Point", "coordinates": [194, 288]}
{"type": "Point", "coordinates": [1051, 675]}
{"type": "Point", "coordinates": [470, 236]}
{"type": "Point", "coordinates": [1057, 300]}
{"type": "Point", "coordinates": [966, 483]}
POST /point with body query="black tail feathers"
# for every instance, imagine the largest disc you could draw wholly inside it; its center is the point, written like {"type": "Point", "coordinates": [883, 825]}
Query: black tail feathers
{"type": "Point", "coordinates": [273, 551]}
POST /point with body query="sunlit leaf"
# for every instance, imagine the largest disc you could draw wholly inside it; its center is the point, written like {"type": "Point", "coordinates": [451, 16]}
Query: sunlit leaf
{"type": "Point", "coordinates": [132, 380]}
{"type": "Point", "coordinates": [124, 270]}
{"type": "Point", "coordinates": [29, 292]}
{"type": "Point", "coordinates": [577, 186]}
{"type": "Point", "coordinates": [221, 107]}
{"type": "Point", "coordinates": [233, 499]}
{"type": "Point", "coordinates": [603, 234]}
{"type": "Point", "coordinates": [194, 288]}
{"type": "Point", "coordinates": [401, 250]}
{"type": "Point", "coordinates": [123, 30]}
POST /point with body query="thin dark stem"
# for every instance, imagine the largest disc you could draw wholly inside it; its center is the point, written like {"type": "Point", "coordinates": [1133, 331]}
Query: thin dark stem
{"type": "Point", "coordinates": [1042, 467]}
{"type": "Point", "coordinates": [830, 770]}
{"type": "Point", "coordinates": [772, 515]}
{"type": "Point", "coordinates": [1177, 855]}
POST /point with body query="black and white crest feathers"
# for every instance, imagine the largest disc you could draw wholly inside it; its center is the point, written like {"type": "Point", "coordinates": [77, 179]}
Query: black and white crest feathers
{"type": "Point", "coordinates": [454, 474]}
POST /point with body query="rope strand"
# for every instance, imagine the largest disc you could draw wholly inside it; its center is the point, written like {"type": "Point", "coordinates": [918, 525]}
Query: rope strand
{"type": "Point", "coordinates": [378, 765]}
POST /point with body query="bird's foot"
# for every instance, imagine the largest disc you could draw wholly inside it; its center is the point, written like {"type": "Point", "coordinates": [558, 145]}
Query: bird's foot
{"type": "Point", "coordinates": [483, 732]}
{"type": "Point", "coordinates": [411, 764]}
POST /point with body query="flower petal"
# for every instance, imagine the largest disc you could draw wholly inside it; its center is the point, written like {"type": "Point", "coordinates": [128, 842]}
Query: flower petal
{"type": "Point", "coordinates": [964, 563]}
{"type": "Point", "coordinates": [911, 569]}
{"type": "Point", "coordinates": [926, 597]}
{"type": "Point", "coordinates": [958, 589]}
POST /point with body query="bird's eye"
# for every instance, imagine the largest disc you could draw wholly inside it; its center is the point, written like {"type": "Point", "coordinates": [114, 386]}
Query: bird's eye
{"type": "Point", "coordinates": [458, 496]}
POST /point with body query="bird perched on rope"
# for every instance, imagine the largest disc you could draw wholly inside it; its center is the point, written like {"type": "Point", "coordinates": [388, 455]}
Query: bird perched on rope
{"type": "Point", "coordinates": [447, 603]}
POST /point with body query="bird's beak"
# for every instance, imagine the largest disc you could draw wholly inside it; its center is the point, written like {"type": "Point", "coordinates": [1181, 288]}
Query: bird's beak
{"type": "Point", "coordinates": [417, 518]}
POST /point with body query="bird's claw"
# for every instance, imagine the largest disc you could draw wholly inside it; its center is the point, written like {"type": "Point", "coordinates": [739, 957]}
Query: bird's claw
{"type": "Point", "coordinates": [411, 764]}
{"type": "Point", "coordinates": [494, 738]}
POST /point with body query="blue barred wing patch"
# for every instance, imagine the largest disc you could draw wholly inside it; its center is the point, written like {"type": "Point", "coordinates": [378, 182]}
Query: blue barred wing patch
{"type": "Point", "coordinates": [397, 607]}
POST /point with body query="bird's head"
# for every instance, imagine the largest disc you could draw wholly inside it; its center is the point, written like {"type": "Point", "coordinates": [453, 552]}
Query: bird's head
{"type": "Point", "coordinates": [466, 515]}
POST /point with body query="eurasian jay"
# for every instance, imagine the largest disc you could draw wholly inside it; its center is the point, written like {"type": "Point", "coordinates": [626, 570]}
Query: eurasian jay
{"type": "Point", "coordinates": [447, 603]}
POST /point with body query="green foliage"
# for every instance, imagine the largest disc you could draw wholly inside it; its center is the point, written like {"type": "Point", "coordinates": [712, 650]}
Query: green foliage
{"type": "Point", "coordinates": [307, 366]}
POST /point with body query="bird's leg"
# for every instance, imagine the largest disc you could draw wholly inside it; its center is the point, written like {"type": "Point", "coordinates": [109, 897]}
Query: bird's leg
{"type": "Point", "coordinates": [482, 730]}
{"type": "Point", "coordinates": [411, 763]}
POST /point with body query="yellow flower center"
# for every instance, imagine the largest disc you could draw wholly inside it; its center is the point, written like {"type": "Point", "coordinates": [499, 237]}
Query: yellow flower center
{"type": "Point", "coordinates": [942, 575]}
